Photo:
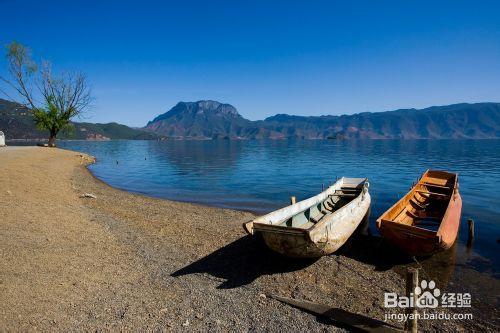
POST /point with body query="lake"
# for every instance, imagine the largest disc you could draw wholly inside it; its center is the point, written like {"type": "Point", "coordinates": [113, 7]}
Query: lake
{"type": "Point", "coordinates": [260, 176]}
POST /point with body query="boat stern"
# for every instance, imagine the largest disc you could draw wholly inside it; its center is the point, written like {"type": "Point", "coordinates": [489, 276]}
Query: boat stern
{"type": "Point", "coordinates": [248, 227]}
{"type": "Point", "coordinates": [412, 240]}
{"type": "Point", "coordinates": [292, 243]}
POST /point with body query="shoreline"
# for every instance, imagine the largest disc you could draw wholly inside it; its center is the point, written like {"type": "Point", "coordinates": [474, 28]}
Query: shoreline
{"type": "Point", "coordinates": [126, 261]}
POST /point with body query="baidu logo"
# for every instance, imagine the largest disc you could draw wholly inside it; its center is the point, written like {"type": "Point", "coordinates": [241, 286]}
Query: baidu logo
{"type": "Point", "coordinates": [427, 295]}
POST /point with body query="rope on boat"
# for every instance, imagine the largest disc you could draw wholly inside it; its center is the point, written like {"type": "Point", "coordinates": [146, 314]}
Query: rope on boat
{"type": "Point", "coordinates": [422, 268]}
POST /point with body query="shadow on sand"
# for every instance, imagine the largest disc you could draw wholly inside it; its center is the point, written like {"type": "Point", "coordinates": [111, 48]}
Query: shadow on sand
{"type": "Point", "coordinates": [243, 261]}
{"type": "Point", "coordinates": [374, 251]}
{"type": "Point", "coordinates": [365, 247]}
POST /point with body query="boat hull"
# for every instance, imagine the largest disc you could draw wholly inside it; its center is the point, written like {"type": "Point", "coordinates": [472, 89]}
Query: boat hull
{"type": "Point", "coordinates": [419, 241]}
{"type": "Point", "coordinates": [451, 223]}
{"type": "Point", "coordinates": [320, 241]}
{"type": "Point", "coordinates": [293, 245]}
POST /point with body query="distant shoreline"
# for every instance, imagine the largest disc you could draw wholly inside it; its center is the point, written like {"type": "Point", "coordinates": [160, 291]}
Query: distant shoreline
{"type": "Point", "coordinates": [34, 141]}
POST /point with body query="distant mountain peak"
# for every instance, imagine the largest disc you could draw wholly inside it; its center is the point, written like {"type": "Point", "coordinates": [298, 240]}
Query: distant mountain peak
{"type": "Point", "coordinates": [201, 108]}
{"type": "Point", "coordinates": [217, 108]}
{"type": "Point", "coordinates": [205, 119]}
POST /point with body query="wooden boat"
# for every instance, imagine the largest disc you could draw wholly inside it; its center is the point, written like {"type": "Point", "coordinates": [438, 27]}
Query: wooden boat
{"type": "Point", "coordinates": [427, 218]}
{"type": "Point", "coordinates": [316, 226]}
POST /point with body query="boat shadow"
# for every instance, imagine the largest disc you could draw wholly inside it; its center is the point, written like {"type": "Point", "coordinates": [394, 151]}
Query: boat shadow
{"type": "Point", "coordinates": [242, 261]}
{"type": "Point", "coordinates": [374, 251]}
{"type": "Point", "coordinates": [371, 249]}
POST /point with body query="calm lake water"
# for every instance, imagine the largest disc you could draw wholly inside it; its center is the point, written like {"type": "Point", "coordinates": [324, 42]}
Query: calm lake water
{"type": "Point", "coordinates": [260, 176]}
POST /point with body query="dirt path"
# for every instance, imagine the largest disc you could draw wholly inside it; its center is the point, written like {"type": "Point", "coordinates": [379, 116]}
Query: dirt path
{"type": "Point", "coordinates": [124, 261]}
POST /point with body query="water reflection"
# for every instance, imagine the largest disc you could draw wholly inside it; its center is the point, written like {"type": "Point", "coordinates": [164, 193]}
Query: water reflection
{"type": "Point", "coordinates": [200, 158]}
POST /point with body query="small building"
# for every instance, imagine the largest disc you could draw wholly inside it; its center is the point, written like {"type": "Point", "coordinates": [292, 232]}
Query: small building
{"type": "Point", "coordinates": [2, 139]}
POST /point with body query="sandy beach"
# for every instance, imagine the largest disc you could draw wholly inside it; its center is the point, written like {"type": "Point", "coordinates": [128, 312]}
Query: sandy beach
{"type": "Point", "coordinates": [122, 261]}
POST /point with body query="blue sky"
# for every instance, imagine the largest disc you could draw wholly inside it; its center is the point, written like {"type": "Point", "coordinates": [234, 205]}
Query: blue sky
{"type": "Point", "coordinates": [266, 57]}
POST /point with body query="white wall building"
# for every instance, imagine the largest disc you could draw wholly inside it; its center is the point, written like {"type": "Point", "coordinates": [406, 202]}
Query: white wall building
{"type": "Point", "coordinates": [2, 139]}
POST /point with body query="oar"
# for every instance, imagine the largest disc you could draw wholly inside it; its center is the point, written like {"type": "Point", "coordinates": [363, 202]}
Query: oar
{"type": "Point", "coordinates": [354, 320]}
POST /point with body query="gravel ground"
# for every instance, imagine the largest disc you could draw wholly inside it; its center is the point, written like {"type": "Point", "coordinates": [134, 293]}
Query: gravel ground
{"type": "Point", "coordinates": [122, 261]}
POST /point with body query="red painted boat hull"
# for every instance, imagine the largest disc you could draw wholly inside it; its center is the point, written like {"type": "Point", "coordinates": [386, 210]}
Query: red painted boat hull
{"type": "Point", "coordinates": [400, 225]}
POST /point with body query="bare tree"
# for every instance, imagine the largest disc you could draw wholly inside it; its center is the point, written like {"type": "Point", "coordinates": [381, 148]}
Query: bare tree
{"type": "Point", "coordinates": [54, 101]}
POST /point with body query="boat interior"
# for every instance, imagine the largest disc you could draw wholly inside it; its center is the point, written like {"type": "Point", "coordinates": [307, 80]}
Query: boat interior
{"type": "Point", "coordinates": [314, 214]}
{"type": "Point", "coordinates": [425, 205]}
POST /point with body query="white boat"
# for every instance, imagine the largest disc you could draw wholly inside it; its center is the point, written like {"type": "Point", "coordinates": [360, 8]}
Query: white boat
{"type": "Point", "coordinates": [316, 226]}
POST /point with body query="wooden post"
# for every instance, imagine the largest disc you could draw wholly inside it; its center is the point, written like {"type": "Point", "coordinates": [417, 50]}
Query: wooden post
{"type": "Point", "coordinates": [471, 232]}
{"type": "Point", "coordinates": [411, 284]}
{"type": "Point", "coordinates": [293, 200]}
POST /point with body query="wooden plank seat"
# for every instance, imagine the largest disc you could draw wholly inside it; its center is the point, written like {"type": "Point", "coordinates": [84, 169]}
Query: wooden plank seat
{"type": "Point", "coordinates": [419, 205]}
{"type": "Point", "coordinates": [317, 213]}
{"type": "Point", "coordinates": [437, 186]}
{"type": "Point", "coordinates": [306, 225]}
{"type": "Point", "coordinates": [433, 193]}
{"type": "Point", "coordinates": [421, 217]}
{"type": "Point", "coordinates": [412, 215]}
{"type": "Point", "coordinates": [311, 215]}
{"type": "Point", "coordinates": [328, 207]}
{"type": "Point", "coordinates": [349, 189]}
{"type": "Point", "coordinates": [342, 195]}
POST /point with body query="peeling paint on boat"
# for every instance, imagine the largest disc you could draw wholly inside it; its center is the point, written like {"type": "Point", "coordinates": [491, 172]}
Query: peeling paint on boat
{"type": "Point", "coordinates": [324, 236]}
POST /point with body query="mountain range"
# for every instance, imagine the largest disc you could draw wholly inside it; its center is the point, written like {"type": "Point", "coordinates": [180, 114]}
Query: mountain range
{"type": "Point", "coordinates": [214, 120]}
{"type": "Point", "coordinates": [205, 120]}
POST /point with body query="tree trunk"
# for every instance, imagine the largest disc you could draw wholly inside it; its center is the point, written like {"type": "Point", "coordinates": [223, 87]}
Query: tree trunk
{"type": "Point", "coordinates": [52, 139]}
